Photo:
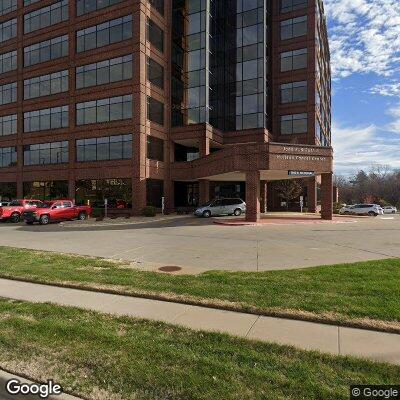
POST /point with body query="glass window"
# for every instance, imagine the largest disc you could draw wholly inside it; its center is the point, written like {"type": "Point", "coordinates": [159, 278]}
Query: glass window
{"type": "Point", "coordinates": [292, 60]}
{"type": "Point", "coordinates": [118, 192]}
{"type": "Point", "coordinates": [155, 111]}
{"type": "Point", "coordinates": [292, 5]}
{"type": "Point", "coordinates": [104, 110]}
{"type": "Point", "coordinates": [294, 92]}
{"type": "Point", "coordinates": [8, 61]}
{"type": "Point", "coordinates": [155, 73]}
{"type": "Point", "coordinates": [46, 16]}
{"type": "Point", "coordinates": [103, 72]}
{"type": "Point", "coordinates": [8, 157]}
{"type": "Point", "coordinates": [294, 27]}
{"type": "Point", "coordinates": [8, 125]}
{"type": "Point", "coordinates": [47, 118]}
{"type": "Point", "coordinates": [29, 2]}
{"type": "Point", "coordinates": [117, 147]}
{"type": "Point", "coordinates": [158, 5]}
{"type": "Point", "coordinates": [8, 93]}
{"type": "Point", "coordinates": [6, 6]}
{"type": "Point", "coordinates": [87, 6]}
{"type": "Point", "coordinates": [46, 153]}
{"type": "Point", "coordinates": [292, 124]}
{"type": "Point", "coordinates": [155, 148]}
{"type": "Point", "coordinates": [155, 35]}
{"type": "Point", "coordinates": [45, 51]}
{"type": "Point", "coordinates": [46, 85]}
{"type": "Point", "coordinates": [8, 30]}
{"type": "Point", "coordinates": [104, 34]}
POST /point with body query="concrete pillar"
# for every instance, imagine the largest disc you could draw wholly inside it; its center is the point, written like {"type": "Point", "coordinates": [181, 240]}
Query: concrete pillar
{"type": "Point", "coordinates": [264, 196]}
{"type": "Point", "coordinates": [327, 196]}
{"type": "Point", "coordinates": [204, 191]}
{"type": "Point", "coordinates": [253, 196]}
{"type": "Point", "coordinates": [312, 194]}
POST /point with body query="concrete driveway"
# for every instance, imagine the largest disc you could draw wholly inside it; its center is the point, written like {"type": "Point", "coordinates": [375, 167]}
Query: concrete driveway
{"type": "Point", "coordinates": [197, 245]}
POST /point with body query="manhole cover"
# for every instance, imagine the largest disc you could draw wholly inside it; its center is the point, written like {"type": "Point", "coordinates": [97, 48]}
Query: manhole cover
{"type": "Point", "coordinates": [170, 269]}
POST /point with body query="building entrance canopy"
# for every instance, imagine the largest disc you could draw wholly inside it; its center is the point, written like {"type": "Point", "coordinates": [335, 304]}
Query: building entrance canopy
{"type": "Point", "coordinates": [273, 160]}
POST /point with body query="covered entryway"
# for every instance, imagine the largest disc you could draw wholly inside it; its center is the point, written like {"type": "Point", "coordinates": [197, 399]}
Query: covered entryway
{"type": "Point", "coordinates": [257, 164]}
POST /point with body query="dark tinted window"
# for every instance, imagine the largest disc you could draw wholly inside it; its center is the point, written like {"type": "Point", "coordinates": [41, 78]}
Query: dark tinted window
{"type": "Point", "coordinates": [155, 35]}
{"type": "Point", "coordinates": [155, 73]}
{"type": "Point", "coordinates": [155, 148]}
{"type": "Point", "coordinates": [155, 111]}
{"type": "Point", "coordinates": [158, 5]}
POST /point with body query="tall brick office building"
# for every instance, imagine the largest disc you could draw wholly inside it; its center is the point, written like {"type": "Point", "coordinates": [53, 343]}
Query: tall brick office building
{"type": "Point", "coordinates": [183, 99]}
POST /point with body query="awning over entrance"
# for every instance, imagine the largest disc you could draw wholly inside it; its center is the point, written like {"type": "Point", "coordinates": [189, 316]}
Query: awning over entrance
{"type": "Point", "coordinates": [256, 162]}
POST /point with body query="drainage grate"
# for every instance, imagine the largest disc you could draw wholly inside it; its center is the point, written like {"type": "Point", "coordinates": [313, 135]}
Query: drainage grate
{"type": "Point", "coordinates": [169, 268]}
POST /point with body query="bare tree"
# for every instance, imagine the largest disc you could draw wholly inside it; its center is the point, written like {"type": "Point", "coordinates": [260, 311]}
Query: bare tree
{"type": "Point", "coordinates": [288, 190]}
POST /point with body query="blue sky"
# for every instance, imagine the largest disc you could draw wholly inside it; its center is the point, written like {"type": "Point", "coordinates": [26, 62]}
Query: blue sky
{"type": "Point", "coordinates": [365, 56]}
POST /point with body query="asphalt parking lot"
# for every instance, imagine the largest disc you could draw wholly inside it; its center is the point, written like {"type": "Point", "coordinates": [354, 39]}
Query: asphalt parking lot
{"type": "Point", "coordinates": [198, 245]}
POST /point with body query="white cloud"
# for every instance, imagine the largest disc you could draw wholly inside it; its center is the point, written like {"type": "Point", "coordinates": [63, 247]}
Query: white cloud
{"type": "Point", "coordinates": [387, 89]}
{"type": "Point", "coordinates": [361, 147]}
{"type": "Point", "coordinates": [364, 36]}
{"type": "Point", "coordinates": [394, 126]}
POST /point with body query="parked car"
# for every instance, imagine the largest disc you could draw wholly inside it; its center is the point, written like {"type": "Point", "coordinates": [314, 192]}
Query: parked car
{"type": "Point", "coordinates": [362, 209]}
{"type": "Point", "coordinates": [13, 212]}
{"type": "Point", "coordinates": [54, 211]}
{"type": "Point", "coordinates": [389, 210]}
{"type": "Point", "coordinates": [221, 207]}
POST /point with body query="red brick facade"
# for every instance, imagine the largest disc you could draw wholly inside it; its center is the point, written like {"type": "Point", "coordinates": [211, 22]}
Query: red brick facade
{"type": "Point", "coordinates": [254, 156]}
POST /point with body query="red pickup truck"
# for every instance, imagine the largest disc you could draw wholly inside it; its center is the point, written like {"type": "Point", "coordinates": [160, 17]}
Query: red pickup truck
{"type": "Point", "coordinates": [13, 212]}
{"type": "Point", "coordinates": [57, 210]}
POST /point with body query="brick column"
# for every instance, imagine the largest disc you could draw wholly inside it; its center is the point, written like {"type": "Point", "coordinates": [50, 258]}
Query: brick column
{"type": "Point", "coordinates": [312, 194]}
{"type": "Point", "coordinates": [253, 196]}
{"type": "Point", "coordinates": [20, 189]}
{"type": "Point", "coordinates": [327, 196]}
{"type": "Point", "coordinates": [204, 191]}
{"type": "Point", "coordinates": [264, 196]}
{"type": "Point", "coordinates": [204, 146]}
{"type": "Point", "coordinates": [71, 189]}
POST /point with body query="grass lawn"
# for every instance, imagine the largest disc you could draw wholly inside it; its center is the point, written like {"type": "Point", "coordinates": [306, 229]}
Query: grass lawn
{"type": "Point", "coordinates": [366, 293]}
{"type": "Point", "coordinates": [108, 358]}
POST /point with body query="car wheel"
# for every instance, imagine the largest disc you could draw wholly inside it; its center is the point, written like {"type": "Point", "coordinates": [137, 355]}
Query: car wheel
{"type": "Point", "coordinates": [15, 217]}
{"type": "Point", "coordinates": [237, 212]}
{"type": "Point", "coordinates": [44, 220]}
{"type": "Point", "coordinates": [372, 214]}
{"type": "Point", "coordinates": [82, 216]}
{"type": "Point", "coordinates": [207, 214]}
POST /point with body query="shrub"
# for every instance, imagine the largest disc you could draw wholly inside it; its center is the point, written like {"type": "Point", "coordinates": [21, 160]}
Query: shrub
{"type": "Point", "coordinates": [149, 211]}
{"type": "Point", "coordinates": [337, 207]}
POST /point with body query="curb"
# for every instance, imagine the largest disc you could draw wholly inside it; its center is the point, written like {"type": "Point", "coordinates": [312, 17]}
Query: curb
{"type": "Point", "coordinates": [4, 395]}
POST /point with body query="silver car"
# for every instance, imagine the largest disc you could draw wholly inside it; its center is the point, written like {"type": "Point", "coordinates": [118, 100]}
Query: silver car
{"type": "Point", "coordinates": [390, 210]}
{"type": "Point", "coordinates": [218, 207]}
{"type": "Point", "coordinates": [362, 209]}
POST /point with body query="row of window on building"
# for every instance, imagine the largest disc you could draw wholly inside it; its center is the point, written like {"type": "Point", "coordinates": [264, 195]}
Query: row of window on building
{"type": "Point", "coordinates": [55, 12]}
{"type": "Point", "coordinates": [109, 32]}
{"type": "Point", "coordinates": [115, 147]}
{"type": "Point", "coordinates": [89, 112]}
{"type": "Point", "coordinates": [100, 73]}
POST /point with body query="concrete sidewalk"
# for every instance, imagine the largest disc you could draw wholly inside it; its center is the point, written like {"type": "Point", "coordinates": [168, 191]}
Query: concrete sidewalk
{"type": "Point", "coordinates": [378, 346]}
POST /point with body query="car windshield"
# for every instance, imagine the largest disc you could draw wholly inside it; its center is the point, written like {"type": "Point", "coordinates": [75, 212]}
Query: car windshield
{"type": "Point", "coordinates": [15, 203]}
{"type": "Point", "coordinates": [209, 203]}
